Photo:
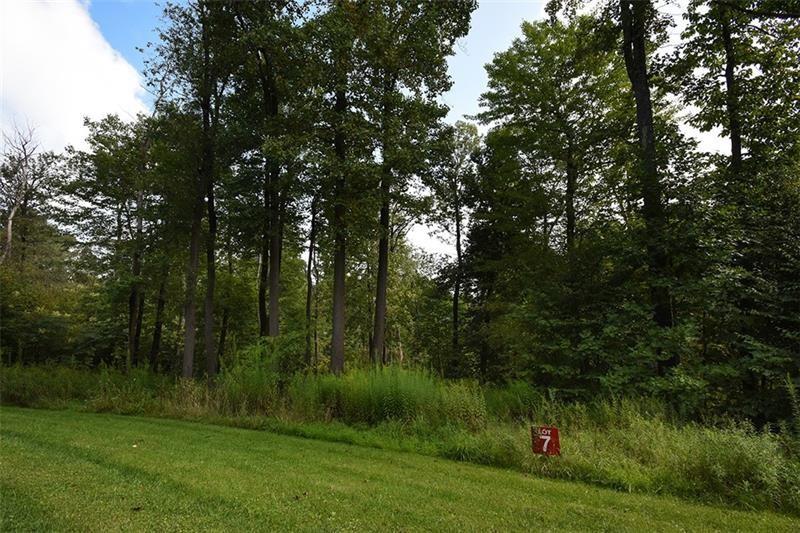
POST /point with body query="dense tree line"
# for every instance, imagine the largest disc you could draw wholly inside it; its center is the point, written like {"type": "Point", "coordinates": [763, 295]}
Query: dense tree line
{"type": "Point", "coordinates": [267, 198]}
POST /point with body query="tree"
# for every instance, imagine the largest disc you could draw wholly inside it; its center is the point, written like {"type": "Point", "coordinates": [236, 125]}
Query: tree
{"type": "Point", "coordinates": [269, 31]}
{"type": "Point", "coordinates": [335, 75]}
{"type": "Point", "coordinates": [26, 179]}
{"type": "Point", "coordinates": [558, 91]}
{"type": "Point", "coordinates": [635, 17]}
{"type": "Point", "coordinates": [195, 52]}
{"type": "Point", "coordinates": [734, 68]}
{"type": "Point", "coordinates": [408, 44]}
{"type": "Point", "coordinates": [112, 196]}
{"type": "Point", "coordinates": [448, 184]}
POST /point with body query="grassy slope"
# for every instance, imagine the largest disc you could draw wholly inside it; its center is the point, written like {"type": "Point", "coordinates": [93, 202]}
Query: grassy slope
{"type": "Point", "coordinates": [74, 471]}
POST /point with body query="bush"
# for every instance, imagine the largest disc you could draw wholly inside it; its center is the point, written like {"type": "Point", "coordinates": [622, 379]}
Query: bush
{"type": "Point", "coordinates": [376, 395]}
{"type": "Point", "coordinates": [248, 389]}
{"type": "Point", "coordinates": [135, 393]}
{"type": "Point", "coordinates": [516, 401]}
{"type": "Point", "coordinates": [45, 386]}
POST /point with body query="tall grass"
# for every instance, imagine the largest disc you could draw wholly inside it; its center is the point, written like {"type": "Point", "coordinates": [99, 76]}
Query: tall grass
{"type": "Point", "coordinates": [628, 444]}
{"type": "Point", "coordinates": [375, 395]}
{"type": "Point", "coordinates": [46, 386]}
{"type": "Point", "coordinates": [633, 448]}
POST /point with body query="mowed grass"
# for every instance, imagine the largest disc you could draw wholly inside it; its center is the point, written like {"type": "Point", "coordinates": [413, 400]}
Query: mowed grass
{"type": "Point", "coordinates": [69, 471]}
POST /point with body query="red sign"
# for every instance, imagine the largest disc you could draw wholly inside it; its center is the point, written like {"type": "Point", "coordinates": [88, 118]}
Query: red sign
{"type": "Point", "coordinates": [544, 440]}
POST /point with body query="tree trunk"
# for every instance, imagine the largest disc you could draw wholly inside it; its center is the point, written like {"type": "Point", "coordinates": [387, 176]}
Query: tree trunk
{"type": "Point", "coordinates": [211, 284]}
{"type": "Point", "coordinates": [339, 252]}
{"type": "Point", "coordinates": [457, 280]}
{"type": "Point", "coordinates": [133, 315]}
{"type": "Point", "coordinates": [263, 270]}
{"type": "Point", "coordinates": [9, 229]}
{"type": "Point", "coordinates": [223, 330]}
{"type": "Point", "coordinates": [312, 235]}
{"type": "Point", "coordinates": [155, 347]}
{"type": "Point", "coordinates": [731, 94]}
{"type": "Point", "coordinates": [633, 15]}
{"type": "Point", "coordinates": [263, 260]}
{"type": "Point", "coordinates": [569, 198]}
{"type": "Point", "coordinates": [274, 254]}
{"type": "Point", "coordinates": [271, 255]}
{"type": "Point", "coordinates": [204, 188]}
{"type": "Point", "coordinates": [378, 342]}
{"type": "Point", "coordinates": [135, 298]}
{"type": "Point", "coordinates": [179, 329]}
{"type": "Point", "coordinates": [189, 310]}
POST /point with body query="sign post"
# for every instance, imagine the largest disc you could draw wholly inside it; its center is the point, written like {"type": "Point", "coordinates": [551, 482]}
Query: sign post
{"type": "Point", "coordinates": [545, 440]}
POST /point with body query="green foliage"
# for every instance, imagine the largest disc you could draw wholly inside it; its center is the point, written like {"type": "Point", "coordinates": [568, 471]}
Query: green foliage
{"type": "Point", "coordinates": [375, 395]}
{"type": "Point", "coordinates": [250, 383]}
{"type": "Point", "coordinates": [552, 287]}
{"type": "Point", "coordinates": [513, 401]}
{"type": "Point", "coordinates": [271, 107]}
{"type": "Point", "coordinates": [134, 393]}
{"type": "Point", "coordinates": [54, 385]}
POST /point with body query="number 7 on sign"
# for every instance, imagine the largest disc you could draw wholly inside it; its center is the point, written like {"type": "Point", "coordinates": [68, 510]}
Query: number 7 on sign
{"type": "Point", "coordinates": [545, 440]}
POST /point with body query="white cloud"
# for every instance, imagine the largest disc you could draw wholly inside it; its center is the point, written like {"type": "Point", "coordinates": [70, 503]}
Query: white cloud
{"type": "Point", "coordinates": [56, 67]}
{"type": "Point", "coordinates": [432, 240]}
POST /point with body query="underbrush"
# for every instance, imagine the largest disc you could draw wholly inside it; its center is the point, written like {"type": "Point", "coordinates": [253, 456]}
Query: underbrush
{"type": "Point", "coordinates": [373, 396]}
{"type": "Point", "coordinates": [628, 444]}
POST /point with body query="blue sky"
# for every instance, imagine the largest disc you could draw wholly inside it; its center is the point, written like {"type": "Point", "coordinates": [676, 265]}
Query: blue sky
{"type": "Point", "coordinates": [63, 60]}
{"type": "Point", "coordinates": [127, 24]}
{"type": "Point", "coordinates": [494, 25]}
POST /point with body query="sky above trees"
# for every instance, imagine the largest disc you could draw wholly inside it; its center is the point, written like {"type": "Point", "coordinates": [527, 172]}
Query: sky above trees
{"type": "Point", "coordinates": [87, 51]}
{"type": "Point", "coordinates": [68, 59]}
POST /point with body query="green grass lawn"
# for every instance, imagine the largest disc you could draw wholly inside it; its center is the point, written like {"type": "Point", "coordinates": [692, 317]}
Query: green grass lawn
{"type": "Point", "coordinates": [63, 470]}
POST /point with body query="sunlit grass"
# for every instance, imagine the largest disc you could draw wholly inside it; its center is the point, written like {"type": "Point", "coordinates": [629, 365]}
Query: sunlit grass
{"type": "Point", "coordinates": [68, 471]}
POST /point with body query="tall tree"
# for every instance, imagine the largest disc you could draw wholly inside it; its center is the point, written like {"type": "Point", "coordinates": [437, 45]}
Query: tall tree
{"type": "Point", "coordinates": [112, 199]}
{"type": "Point", "coordinates": [334, 38]}
{"type": "Point", "coordinates": [733, 67]}
{"type": "Point", "coordinates": [557, 91]}
{"type": "Point", "coordinates": [195, 51]}
{"type": "Point", "coordinates": [635, 17]}
{"type": "Point", "coordinates": [407, 46]}
{"type": "Point", "coordinates": [448, 184]}
{"type": "Point", "coordinates": [269, 32]}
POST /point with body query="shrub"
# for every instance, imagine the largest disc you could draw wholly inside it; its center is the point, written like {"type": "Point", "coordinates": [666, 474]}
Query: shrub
{"type": "Point", "coordinates": [135, 393]}
{"type": "Point", "coordinates": [46, 385]}
{"type": "Point", "coordinates": [375, 395]}
{"type": "Point", "coordinates": [515, 401]}
{"type": "Point", "coordinates": [248, 389]}
{"type": "Point", "coordinates": [189, 399]}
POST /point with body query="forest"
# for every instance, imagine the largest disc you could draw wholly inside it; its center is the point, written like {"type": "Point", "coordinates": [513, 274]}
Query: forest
{"type": "Point", "coordinates": [253, 228]}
